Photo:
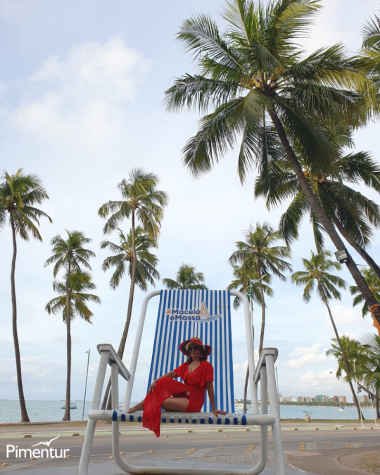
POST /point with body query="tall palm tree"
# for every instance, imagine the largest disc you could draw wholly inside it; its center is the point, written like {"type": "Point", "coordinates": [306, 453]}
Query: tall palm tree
{"type": "Point", "coordinates": [243, 283]}
{"type": "Point", "coordinates": [18, 194]}
{"type": "Point", "coordinates": [351, 356]}
{"type": "Point", "coordinates": [316, 274]}
{"type": "Point", "coordinates": [262, 87]}
{"type": "Point", "coordinates": [71, 256]}
{"type": "Point", "coordinates": [186, 278]}
{"type": "Point", "coordinates": [350, 211]}
{"type": "Point", "coordinates": [122, 259]}
{"type": "Point", "coordinates": [371, 373]}
{"type": "Point", "coordinates": [141, 202]}
{"type": "Point", "coordinates": [258, 255]}
{"type": "Point", "coordinates": [373, 283]}
{"type": "Point", "coordinates": [79, 284]}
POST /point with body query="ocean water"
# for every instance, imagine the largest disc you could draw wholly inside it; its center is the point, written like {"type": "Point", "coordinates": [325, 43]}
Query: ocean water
{"type": "Point", "coordinates": [45, 411]}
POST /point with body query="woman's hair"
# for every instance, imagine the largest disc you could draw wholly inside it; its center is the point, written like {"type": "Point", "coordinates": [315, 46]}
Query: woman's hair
{"type": "Point", "coordinates": [203, 357]}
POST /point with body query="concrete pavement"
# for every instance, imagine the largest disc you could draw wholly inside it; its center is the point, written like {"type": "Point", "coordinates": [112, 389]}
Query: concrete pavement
{"type": "Point", "coordinates": [306, 449]}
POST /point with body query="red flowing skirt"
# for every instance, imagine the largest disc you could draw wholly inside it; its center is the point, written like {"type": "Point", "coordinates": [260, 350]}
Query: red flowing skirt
{"type": "Point", "coordinates": [165, 388]}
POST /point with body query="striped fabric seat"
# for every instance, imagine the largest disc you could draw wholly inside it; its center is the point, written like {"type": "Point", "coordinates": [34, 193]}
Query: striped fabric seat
{"type": "Point", "coordinates": [187, 418]}
{"type": "Point", "coordinates": [205, 314]}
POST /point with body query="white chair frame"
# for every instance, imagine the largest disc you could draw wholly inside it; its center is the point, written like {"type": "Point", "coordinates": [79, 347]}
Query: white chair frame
{"type": "Point", "coordinates": [265, 373]}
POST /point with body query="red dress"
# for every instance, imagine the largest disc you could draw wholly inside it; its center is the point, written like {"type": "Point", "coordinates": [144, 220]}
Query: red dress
{"type": "Point", "coordinates": [195, 382]}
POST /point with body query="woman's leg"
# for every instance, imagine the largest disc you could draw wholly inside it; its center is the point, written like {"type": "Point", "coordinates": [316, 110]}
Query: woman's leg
{"type": "Point", "coordinates": [179, 404]}
{"type": "Point", "coordinates": [139, 407]}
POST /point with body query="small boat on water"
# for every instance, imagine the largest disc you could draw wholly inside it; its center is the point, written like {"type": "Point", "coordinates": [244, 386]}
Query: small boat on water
{"type": "Point", "coordinates": [72, 406]}
{"type": "Point", "coordinates": [341, 409]}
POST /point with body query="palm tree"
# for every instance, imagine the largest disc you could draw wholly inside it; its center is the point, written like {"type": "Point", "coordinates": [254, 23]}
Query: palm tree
{"type": "Point", "coordinates": [373, 283]}
{"type": "Point", "coordinates": [370, 55]}
{"type": "Point", "coordinates": [186, 278]}
{"type": "Point", "coordinates": [79, 284]}
{"type": "Point", "coordinates": [351, 356]}
{"type": "Point", "coordinates": [317, 275]}
{"type": "Point", "coordinates": [141, 201]}
{"type": "Point", "coordinates": [371, 374]}
{"type": "Point", "coordinates": [349, 210]}
{"type": "Point", "coordinates": [71, 256]}
{"type": "Point", "coordinates": [255, 74]}
{"type": "Point", "coordinates": [123, 258]}
{"type": "Point", "coordinates": [243, 283]}
{"type": "Point", "coordinates": [18, 194]}
{"type": "Point", "coordinates": [258, 255]}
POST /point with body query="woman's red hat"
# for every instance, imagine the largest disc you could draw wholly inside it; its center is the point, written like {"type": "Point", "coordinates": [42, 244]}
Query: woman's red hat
{"type": "Point", "coordinates": [184, 346]}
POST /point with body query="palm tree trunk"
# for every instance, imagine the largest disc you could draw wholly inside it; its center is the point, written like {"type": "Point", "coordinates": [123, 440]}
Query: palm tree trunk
{"type": "Point", "coordinates": [24, 413]}
{"type": "Point", "coordinates": [347, 369]}
{"type": "Point", "coordinates": [262, 316]}
{"type": "Point", "coordinates": [123, 340]}
{"type": "Point", "coordinates": [66, 416]}
{"type": "Point", "coordinates": [358, 249]}
{"type": "Point", "coordinates": [319, 211]}
{"type": "Point", "coordinates": [377, 404]}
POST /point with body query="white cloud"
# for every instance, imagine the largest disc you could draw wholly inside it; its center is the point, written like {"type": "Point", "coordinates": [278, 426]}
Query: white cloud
{"type": "Point", "coordinates": [80, 98]}
{"type": "Point", "coordinates": [241, 366]}
{"type": "Point", "coordinates": [343, 316]}
{"type": "Point", "coordinates": [306, 355]}
{"type": "Point", "coordinates": [326, 380]}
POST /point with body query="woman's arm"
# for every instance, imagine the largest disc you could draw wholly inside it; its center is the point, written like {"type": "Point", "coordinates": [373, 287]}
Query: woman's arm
{"type": "Point", "coordinates": [171, 374]}
{"type": "Point", "coordinates": [211, 395]}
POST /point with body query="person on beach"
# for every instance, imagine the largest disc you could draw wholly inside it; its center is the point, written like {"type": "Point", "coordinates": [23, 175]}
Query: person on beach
{"type": "Point", "coordinates": [198, 376]}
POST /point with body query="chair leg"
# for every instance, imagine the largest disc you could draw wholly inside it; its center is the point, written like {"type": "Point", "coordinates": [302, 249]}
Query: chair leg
{"type": "Point", "coordinates": [86, 449]}
{"type": "Point", "coordinates": [275, 411]}
{"type": "Point", "coordinates": [116, 449]}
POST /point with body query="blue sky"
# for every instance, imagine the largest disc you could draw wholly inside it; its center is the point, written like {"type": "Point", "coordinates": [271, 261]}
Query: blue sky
{"type": "Point", "coordinates": [81, 91]}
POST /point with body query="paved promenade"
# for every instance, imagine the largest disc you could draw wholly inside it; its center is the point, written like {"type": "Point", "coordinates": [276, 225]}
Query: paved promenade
{"type": "Point", "coordinates": [307, 450]}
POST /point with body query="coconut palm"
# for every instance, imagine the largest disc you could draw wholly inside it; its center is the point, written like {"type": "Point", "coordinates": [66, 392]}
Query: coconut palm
{"type": "Point", "coordinates": [258, 255]}
{"type": "Point", "coordinates": [261, 86]}
{"type": "Point", "coordinates": [243, 282]}
{"type": "Point", "coordinates": [351, 356]}
{"type": "Point", "coordinates": [350, 211]}
{"type": "Point", "coordinates": [141, 202]}
{"type": "Point", "coordinates": [123, 258]}
{"type": "Point", "coordinates": [18, 194]}
{"type": "Point", "coordinates": [370, 57]}
{"type": "Point", "coordinates": [371, 373]}
{"type": "Point", "coordinates": [71, 256]}
{"type": "Point", "coordinates": [373, 283]}
{"type": "Point", "coordinates": [186, 278]}
{"type": "Point", "coordinates": [79, 284]}
{"type": "Point", "coordinates": [316, 275]}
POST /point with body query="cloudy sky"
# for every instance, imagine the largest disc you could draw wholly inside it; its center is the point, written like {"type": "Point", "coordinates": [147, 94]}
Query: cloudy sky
{"type": "Point", "coordinates": [81, 91]}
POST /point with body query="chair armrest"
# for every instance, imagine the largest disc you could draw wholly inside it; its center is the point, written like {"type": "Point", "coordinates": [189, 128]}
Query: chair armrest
{"type": "Point", "coordinates": [266, 352]}
{"type": "Point", "coordinates": [113, 357]}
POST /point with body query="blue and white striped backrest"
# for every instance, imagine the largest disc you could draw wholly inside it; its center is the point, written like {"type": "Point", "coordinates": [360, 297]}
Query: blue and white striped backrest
{"type": "Point", "coordinates": [205, 314]}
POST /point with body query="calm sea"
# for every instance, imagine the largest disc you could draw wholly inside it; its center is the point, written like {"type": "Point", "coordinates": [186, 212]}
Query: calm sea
{"type": "Point", "coordinates": [44, 411]}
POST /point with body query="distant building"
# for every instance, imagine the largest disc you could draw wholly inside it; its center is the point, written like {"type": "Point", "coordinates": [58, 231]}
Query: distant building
{"type": "Point", "coordinates": [343, 399]}
{"type": "Point", "coordinates": [319, 397]}
{"type": "Point", "coordinates": [363, 399]}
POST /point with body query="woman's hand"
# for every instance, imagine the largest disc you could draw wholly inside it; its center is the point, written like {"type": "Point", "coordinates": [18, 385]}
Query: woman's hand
{"type": "Point", "coordinates": [152, 385]}
{"type": "Point", "coordinates": [216, 412]}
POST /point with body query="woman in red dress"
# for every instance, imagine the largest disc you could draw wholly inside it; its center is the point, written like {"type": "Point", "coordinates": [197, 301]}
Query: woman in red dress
{"type": "Point", "coordinates": [198, 376]}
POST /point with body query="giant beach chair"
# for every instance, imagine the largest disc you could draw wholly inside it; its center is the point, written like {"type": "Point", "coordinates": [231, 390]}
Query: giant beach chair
{"type": "Point", "coordinates": [183, 314]}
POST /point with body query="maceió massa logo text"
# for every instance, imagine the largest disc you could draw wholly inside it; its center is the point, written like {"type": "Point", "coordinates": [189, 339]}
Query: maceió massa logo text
{"type": "Point", "coordinates": [200, 315]}
{"type": "Point", "coordinates": [50, 452]}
